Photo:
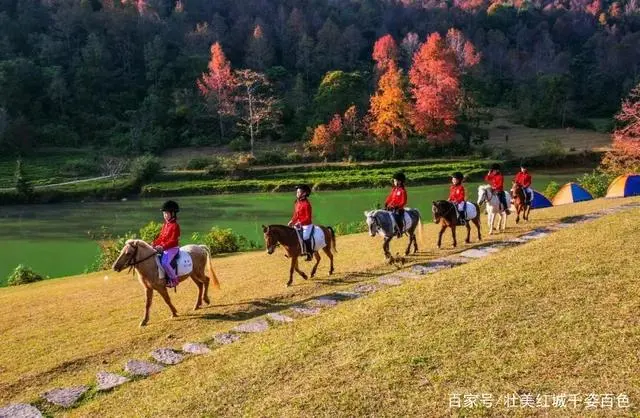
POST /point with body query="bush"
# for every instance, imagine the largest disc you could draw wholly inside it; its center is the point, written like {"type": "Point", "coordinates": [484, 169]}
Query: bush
{"type": "Point", "coordinates": [220, 241]}
{"type": "Point", "coordinates": [144, 169]}
{"type": "Point", "coordinates": [350, 228]}
{"type": "Point", "coordinates": [150, 231]}
{"type": "Point", "coordinates": [23, 186]}
{"type": "Point", "coordinates": [200, 163]}
{"type": "Point", "coordinates": [270, 158]}
{"type": "Point", "coordinates": [239, 144]}
{"type": "Point", "coordinates": [551, 189]}
{"type": "Point", "coordinates": [23, 275]}
{"type": "Point", "coordinates": [596, 182]}
{"type": "Point", "coordinates": [552, 149]}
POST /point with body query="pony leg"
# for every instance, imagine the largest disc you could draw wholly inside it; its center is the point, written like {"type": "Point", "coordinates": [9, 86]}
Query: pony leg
{"type": "Point", "coordinates": [442, 229]}
{"type": "Point", "coordinates": [165, 295]}
{"type": "Point", "coordinates": [518, 210]}
{"type": "Point", "coordinates": [468, 240]}
{"type": "Point", "coordinates": [385, 247]}
{"type": "Point", "coordinates": [147, 307]}
{"type": "Point", "coordinates": [205, 283]}
{"type": "Point", "coordinates": [291, 268]}
{"type": "Point", "coordinates": [300, 272]}
{"type": "Point", "coordinates": [491, 218]}
{"type": "Point", "coordinates": [327, 251]}
{"type": "Point", "coordinates": [476, 222]}
{"type": "Point", "coordinates": [200, 293]}
{"type": "Point", "coordinates": [315, 266]}
{"type": "Point", "coordinates": [415, 243]}
{"type": "Point", "coordinates": [411, 238]}
{"type": "Point", "coordinates": [453, 234]}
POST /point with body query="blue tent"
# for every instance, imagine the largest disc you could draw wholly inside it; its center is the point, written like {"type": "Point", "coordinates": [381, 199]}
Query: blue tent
{"type": "Point", "coordinates": [540, 201]}
{"type": "Point", "coordinates": [571, 193]}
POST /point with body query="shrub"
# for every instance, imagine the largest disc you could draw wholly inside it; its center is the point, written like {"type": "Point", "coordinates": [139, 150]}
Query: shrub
{"type": "Point", "coordinates": [270, 158]}
{"type": "Point", "coordinates": [200, 163]}
{"type": "Point", "coordinates": [239, 144]}
{"type": "Point", "coordinates": [220, 240]}
{"type": "Point", "coordinates": [350, 227]}
{"type": "Point", "coordinates": [596, 182]}
{"type": "Point", "coordinates": [23, 186]}
{"type": "Point", "coordinates": [552, 149]}
{"type": "Point", "coordinates": [150, 231]}
{"type": "Point", "coordinates": [23, 275]}
{"type": "Point", "coordinates": [551, 189]}
{"type": "Point", "coordinates": [144, 169]}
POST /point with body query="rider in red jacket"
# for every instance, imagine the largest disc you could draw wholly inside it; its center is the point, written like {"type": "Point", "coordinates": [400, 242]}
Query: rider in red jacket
{"type": "Point", "coordinates": [523, 179]}
{"type": "Point", "coordinates": [495, 178]}
{"type": "Point", "coordinates": [168, 240]}
{"type": "Point", "coordinates": [457, 196]}
{"type": "Point", "coordinates": [397, 200]}
{"type": "Point", "coordinates": [301, 218]}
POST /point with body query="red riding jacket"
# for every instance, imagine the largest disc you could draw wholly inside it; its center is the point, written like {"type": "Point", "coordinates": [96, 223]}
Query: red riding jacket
{"type": "Point", "coordinates": [397, 199]}
{"type": "Point", "coordinates": [496, 180]}
{"type": "Point", "coordinates": [302, 212]}
{"type": "Point", "coordinates": [523, 179]}
{"type": "Point", "coordinates": [169, 235]}
{"type": "Point", "coordinates": [457, 194]}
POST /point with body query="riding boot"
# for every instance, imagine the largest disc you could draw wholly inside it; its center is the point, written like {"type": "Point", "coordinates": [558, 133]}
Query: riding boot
{"type": "Point", "coordinates": [309, 250]}
{"type": "Point", "coordinates": [461, 218]}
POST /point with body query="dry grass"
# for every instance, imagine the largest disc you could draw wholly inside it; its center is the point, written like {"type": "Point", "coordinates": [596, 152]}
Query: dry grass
{"type": "Point", "coordinates": [474, 328]}
{"type": "Point", "coordinates": [526, 142]}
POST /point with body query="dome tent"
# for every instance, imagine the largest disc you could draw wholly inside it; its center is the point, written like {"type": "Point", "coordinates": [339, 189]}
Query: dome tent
{"type": "Point", "coordinates": [625, 186]}
{"type": "Point", "coordinates": [571, 193]}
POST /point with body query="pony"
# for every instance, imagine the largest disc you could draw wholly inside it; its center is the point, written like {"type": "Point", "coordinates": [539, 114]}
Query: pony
{"type": "Point", "coordinates": [288, 237]}
{"type": "Point", "coordinates": [488, 196]}
{"type": "Point", "coordinates": [381, 222]}
{"type": "Point", "coordinates": [445, 213]}
{"type": "Point", "coordinates": [140, 256]}
{"type": "Point", "coordinates": [520, 202]}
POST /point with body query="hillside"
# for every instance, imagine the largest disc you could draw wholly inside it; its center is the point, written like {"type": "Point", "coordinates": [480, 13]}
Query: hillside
{"type": "Point", "coordinates": [63, 331]}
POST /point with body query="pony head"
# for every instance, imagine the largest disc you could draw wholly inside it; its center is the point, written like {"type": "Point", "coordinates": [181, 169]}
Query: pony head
{"type": "Point", "coordinates": [372, 223]}
{"type": "Point", "coordinates": [435, 212]}
{"type": "Point", "coordinates": [129, 252]}
{"type": "Point", "coordinates": [484, 194]}
{"type": "Point", "coordinates": [269, 240]}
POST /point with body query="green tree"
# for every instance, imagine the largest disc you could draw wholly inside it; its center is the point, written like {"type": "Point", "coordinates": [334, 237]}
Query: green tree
{"type": "Point", "coordinates": [337, 92]}
{"type": "Point", "coordinates": [23, 186]}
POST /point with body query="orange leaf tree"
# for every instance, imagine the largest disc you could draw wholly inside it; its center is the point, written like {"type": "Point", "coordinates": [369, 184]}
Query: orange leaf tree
{"type": "Point", "coordinates": [624, 157]}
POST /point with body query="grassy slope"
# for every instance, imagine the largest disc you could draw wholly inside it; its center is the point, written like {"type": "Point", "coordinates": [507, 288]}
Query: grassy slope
{"type": "Point", "coordinates": [63, 331]}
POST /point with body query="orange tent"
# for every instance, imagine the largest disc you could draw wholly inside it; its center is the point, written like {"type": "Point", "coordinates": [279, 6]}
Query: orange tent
{"type": "Point", "coordinates": [625, 186]}
{"type": "Point", "coordinates": [571, 193]}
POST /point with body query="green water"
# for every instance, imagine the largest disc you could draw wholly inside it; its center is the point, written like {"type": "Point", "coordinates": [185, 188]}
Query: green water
{"type": "Point", "coordinates": [54, 240]}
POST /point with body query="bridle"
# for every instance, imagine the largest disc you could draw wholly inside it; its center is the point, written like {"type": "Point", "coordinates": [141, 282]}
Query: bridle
{"type": "Point", "coordinates": [132, 262]}
{"type": "Point", "coordinates": [486, 191]}
{"type": "Point", "coordinates": [445, 213]}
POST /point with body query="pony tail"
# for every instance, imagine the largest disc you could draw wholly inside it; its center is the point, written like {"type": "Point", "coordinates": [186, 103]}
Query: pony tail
{"type": "Point", "coordinates": [212, 273]}
{"type": "Point", "coordinates": [420, 230]}
{"type": "Point", "coordinates": [333, 238]}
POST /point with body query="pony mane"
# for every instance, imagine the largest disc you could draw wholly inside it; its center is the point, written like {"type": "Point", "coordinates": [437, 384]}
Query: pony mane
{"type": "Point", "coordinates": [484, 187]}
{"type": "Point", "coordinates": [139, 243]}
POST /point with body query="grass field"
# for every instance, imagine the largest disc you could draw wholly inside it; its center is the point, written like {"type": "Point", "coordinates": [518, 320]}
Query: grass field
{"type": "Point", "coordinates": [498, 325]}
{"type": "Point", "coordinates": [526, 142]}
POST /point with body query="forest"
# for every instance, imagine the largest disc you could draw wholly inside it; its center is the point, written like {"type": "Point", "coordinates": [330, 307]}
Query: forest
{"type": "Point", "coordinates": [147, 75]}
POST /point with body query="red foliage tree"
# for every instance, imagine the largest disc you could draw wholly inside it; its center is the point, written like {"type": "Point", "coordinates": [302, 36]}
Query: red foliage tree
{"type": "Point", "coordinates": [385, 52]}
{"type": "Point", "coordinates": [624, 156]}
{"type": "Point", "coordinates": [435, 87]}
{"type": "Point", "coordinates": [217, 84]}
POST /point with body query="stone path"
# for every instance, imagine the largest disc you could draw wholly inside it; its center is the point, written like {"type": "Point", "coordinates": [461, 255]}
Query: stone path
{"type": "Point", "coordinates": [68, 397]}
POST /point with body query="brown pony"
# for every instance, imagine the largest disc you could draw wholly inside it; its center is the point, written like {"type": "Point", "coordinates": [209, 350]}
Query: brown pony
{"type": "Point", "coordinates": [140, 256]}
{"type": "Point", "coordinates": [444, 213]}
{"type": "Point", "coordinates": [288, 238]}
{"type": "Point", "coordinates": [520, 202]}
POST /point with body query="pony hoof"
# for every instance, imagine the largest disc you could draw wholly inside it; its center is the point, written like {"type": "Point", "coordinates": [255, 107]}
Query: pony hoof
{"type": "Point", "coordinates": [143, 323]}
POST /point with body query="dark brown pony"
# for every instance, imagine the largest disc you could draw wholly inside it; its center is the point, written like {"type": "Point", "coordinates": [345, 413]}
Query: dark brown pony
{"type": "Point", "coordinates": [288, 238]}
{"type": "Point", "coordinates": [520, 202]}
{"type": "Point", "coordinates": [444, 213]}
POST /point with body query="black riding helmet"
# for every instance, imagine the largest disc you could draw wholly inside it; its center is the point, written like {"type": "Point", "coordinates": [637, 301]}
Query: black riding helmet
{"type": "Point", "coordinates": [400, 177]}
{"type": "Point", "coordinates": [458, 175]}
{"type": "Point", "coordinates": [495, 167]}
{"type": "Point", "coordinates": [170, 206]}
{"type": "Point", "coordinates": [305, 189]}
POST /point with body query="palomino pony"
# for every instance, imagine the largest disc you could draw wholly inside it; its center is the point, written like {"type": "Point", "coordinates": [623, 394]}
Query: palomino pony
{"type": "Point", "coordinates": [520, 202]}
{"type": "Point", "coordinates": [141, 256]}
{"type": "Point", "coordinates": [289, 239]}
{"type": "Point", "coordinates": [445, 214]}
{"type": "Point", "coordinates": [488, 196]}
{"type": "Point", "coordinates": [381, 222]}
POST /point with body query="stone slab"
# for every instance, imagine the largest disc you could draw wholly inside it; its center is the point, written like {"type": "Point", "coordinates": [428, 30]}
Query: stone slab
{"type": "Point", "coordinates": [278, 317]}
{"type": "Point", "coordinates": [166, 356]}
{"type": "Point", "coordinates": [306, 310]}
{"type": "Point", "coordinates": [365, 288]}
{"type": "Point", "coordinates": [259, 325]}
{"type": "Point", "coordinates": [106, 381]}
{"type": "Point", "coordinates": [65, 397]}
{"type": "Point", "coordinates": [226, 338]}
{"type": "Point", "coordinates": [196, 348]}
{"type": "Point", "coordinates": [390, 280]}
{"type": "Point", "coordinates": [20, 410]}
{"type": "Point", "coordinates": [325, 301]}
{"type": "Point", "coordinates": [142, 368]}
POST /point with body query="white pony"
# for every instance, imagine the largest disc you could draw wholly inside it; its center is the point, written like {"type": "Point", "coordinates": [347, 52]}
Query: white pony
{"type": "Point", "coordinates": [488, 196]}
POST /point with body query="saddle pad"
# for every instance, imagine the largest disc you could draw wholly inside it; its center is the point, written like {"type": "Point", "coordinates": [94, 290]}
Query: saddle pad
{"type": "Point", "coordinates": [317, 239]}
{"type": "Point", "coordinates": [185, 265]}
